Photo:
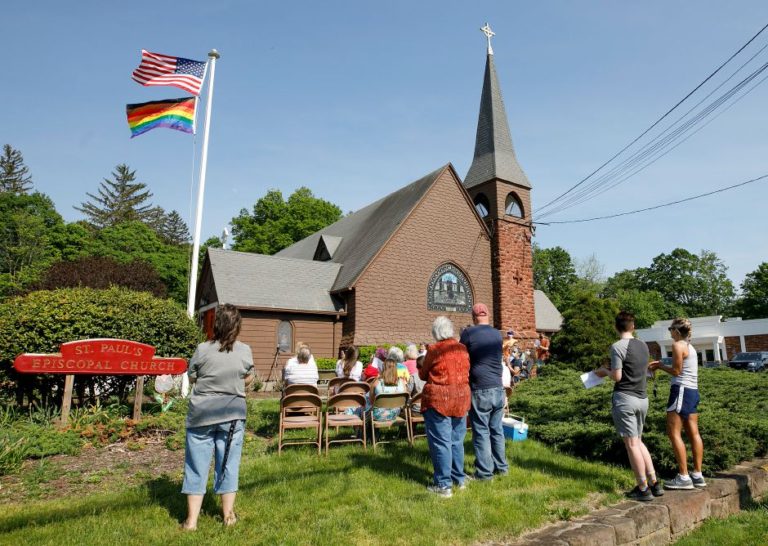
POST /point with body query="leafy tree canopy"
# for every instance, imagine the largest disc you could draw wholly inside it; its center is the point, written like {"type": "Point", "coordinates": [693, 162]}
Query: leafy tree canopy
{"type": "Point", "coordinates": [14, 174]}
{"type": "Point", "coordinates": [754, 289]}
{"type": "Point", "coordinates": [554, 273]}
{"type": "Point", "coordinates": [120, 200]}
{"type": "Point", "coordinates": [648, 306]}
{"type": "Point", "coordinates": [276, 223]}
{"type": "Point", "coordinates": [697, 283]}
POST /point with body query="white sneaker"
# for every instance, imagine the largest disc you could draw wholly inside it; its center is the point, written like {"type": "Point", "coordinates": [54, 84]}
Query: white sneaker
{"type": "Point", "coordinates": [679, 483]}
{"type": "Point", "coordinates": [444, 492]}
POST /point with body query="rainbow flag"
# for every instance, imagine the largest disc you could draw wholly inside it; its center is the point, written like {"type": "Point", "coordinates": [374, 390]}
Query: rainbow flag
{"type": "Point", "coordinates": [176, 114]}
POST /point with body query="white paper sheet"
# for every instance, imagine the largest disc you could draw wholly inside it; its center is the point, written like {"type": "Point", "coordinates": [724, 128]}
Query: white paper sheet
{"type": "Point", "coordinates": [591, 379]}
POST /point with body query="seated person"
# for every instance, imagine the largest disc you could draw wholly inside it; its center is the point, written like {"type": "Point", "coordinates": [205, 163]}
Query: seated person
{"type": "Point", "coordinates": [411, 354]}
{"type": "Point", "coordinates": [301, 369]}
{"type": "Point", "coordinates": [388, 383]}
{"type": "Point", "coordinates": [396, 354]}
{"type": "Point", "coordinates": [349, 366]}
{"type": "Point", "coordinates": [506, 375]}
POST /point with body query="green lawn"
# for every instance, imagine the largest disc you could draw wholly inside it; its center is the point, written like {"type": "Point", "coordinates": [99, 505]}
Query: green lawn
{"type": "Point", "coordinates": [750, 527]}
{"type": "Point", "coordinates": [350, 497]}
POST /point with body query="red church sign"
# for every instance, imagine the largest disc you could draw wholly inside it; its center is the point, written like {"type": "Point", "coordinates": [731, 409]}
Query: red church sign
{"type": "Point", "coordinates": [101, 357]}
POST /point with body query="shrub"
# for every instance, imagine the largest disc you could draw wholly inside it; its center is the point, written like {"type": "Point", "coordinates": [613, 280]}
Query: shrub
{"type": "Point", "coordinates": [578, 421]}
{"type": "Point", "coordinates": [326, 363]}
{"type": "Point", "coordinates": [41, 321]}
{"type": "Point", "coordinates": [586, 333]}
{"type": "Point", "coordinates": [102, 272]}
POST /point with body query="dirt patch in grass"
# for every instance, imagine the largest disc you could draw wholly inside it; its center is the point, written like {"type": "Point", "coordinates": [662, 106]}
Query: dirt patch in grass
{"type": "Point", "coordinates": [93, 470]}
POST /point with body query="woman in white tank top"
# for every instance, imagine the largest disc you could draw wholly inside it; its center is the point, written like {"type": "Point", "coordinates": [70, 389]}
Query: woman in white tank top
{"type": "Point", "coordinates": [682, 408]}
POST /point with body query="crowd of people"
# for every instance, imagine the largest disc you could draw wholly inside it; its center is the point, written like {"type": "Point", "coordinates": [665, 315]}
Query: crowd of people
{"type": "Point", "coordinates": [460, 380]}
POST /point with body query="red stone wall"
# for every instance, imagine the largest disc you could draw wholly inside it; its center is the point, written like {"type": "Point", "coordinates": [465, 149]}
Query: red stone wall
{"type": "Point", "coordinates": [732, 346]}
{"type": "Point", "coordinates": [390, 297]}
{"type": "Point", "coordinates": [654, 349]}
{"type": "Point", "coordinates": [513, 279]}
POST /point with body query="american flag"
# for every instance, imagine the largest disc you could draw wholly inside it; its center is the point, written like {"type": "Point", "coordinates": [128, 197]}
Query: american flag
{"type": "Point", "coordinates": [157, 69]}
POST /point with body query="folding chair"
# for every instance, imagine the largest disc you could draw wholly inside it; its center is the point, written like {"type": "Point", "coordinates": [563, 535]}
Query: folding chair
{"type": "Point", "coordinates": [336, 415]}
{"type": "Point", "coordinates": [389, 401]}
{"type": "Point", "coordinates": [324, 376]}
{"type": "Point", "coordinates": [302, 410]}
{"type": "Point", "coordinates": [298, 388]}
{"type": "Point", "coordinates": [335, 383]}
{"type": "Point", "coordinates": [414, 418]}
{"type": "Point", "coordinates": [371, 380]}
{"type": "Point", "coordinates": [359, 387]}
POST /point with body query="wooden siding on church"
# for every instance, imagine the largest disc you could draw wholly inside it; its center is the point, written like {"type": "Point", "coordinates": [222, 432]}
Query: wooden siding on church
{"type": "Point", "coordinates": [259, 330]}
{"type": "Point", "coordinates": [390, 297]}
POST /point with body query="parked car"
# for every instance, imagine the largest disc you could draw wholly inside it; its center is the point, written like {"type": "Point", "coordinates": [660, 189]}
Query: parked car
{"type": "Point", "coordinates": [752, 362]}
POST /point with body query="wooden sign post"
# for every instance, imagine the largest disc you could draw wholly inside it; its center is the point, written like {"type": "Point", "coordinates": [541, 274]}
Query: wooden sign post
{"type": "Point", "coordinates": [100, 357]}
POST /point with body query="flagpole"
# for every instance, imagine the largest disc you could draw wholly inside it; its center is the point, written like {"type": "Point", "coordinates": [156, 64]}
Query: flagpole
{"type": "Point", "coordinates": [212, 56]}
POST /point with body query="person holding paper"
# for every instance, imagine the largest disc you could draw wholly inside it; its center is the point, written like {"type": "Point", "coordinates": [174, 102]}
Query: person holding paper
{"type": "Point", "coordinates": [628, 369]}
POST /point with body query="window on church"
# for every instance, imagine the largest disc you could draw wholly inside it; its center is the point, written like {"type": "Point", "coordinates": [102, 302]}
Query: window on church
{"type": "Point", "coordinates": [513, 207]}
{"type": "Point", "coordinates": [482, 206]}
{"type": "Point", "coordinates": [449, 290]}
{"type": "Point", "coordinates": [285, 336]}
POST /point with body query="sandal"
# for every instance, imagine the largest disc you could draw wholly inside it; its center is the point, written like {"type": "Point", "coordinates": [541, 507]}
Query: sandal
{"type": "Point", "coordinates": [230, 520]}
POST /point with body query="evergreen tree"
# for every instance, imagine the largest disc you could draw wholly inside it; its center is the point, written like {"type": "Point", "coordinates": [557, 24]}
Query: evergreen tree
{"type": "Point", "coordinates": [14, 175]}
{"type": "Point", "coordinates": [119, 200]}
{"type": "Point", "coordinates": [175, 229]}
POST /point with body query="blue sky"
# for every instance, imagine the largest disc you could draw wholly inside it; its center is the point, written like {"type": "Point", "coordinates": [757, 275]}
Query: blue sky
{"type": "Point", "coordinates": [357, 99]}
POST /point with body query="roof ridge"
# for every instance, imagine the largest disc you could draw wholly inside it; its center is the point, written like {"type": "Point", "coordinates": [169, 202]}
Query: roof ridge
{"type": "Point", "coordinates": [272, 256]}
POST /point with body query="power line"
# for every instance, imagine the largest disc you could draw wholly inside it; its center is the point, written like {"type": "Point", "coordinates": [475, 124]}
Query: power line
{"type": "Point", "coordinates": [660, 145]}
{"type": "Point", "coordinates": [669, 204]}
{"type": "Point", "coordinates": [590, 175]}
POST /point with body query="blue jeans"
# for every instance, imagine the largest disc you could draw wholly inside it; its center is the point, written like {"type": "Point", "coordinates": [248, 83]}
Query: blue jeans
{"type": "Point", "coordinates": [201, 443]}
{"type": "Point", "coordinates": [445, 436]}
{"type": "Point", "coordinates": [487, 433]}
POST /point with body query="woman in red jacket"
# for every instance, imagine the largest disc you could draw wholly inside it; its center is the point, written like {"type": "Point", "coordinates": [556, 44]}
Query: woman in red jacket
{"type": "Point", "coordinates": [444, 404]}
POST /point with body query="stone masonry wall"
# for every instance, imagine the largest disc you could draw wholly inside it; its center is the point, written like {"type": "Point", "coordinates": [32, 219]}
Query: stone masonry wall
{"type": "Point", "coordinates": [663, 520]}
{"type": "Point", "coordinates": [390, 298]}
{"type": "Point", "coordinates": [512, 264]}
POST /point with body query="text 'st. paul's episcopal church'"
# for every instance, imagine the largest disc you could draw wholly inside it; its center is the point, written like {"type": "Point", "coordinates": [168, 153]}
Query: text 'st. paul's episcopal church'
{"type": "Point", "coordinates": [382, 274]}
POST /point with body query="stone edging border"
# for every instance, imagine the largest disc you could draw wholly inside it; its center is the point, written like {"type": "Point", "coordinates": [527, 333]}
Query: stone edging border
{"type": "Point", "coordinates": [665, 519]}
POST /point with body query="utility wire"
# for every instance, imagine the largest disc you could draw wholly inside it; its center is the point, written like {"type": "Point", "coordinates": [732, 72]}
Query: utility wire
{"type": "Point", "coordinates": [590, 175]}
{"type": "Point", "coordinates": [657, 148]}
{"type": "Point", "coordinates": [669, 204]}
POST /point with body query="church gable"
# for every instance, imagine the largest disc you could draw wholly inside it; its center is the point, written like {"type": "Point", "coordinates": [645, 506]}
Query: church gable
{"type": "Point", "coordinates": [442, 244]}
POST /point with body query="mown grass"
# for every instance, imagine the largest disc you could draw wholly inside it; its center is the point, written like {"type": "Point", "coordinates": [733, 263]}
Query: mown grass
{"type": "Point", "coordinates": [350, 497]}
{"type": "Point", "coordinates": [747, 528]}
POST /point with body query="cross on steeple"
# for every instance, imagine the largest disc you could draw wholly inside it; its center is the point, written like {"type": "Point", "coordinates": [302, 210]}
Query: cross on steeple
{"type": "Point", "coordinates": [488, 34]}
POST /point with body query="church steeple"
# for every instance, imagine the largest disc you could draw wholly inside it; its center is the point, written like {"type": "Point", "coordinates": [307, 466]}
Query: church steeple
{"type": "Point", "coordinates": [494, 154]}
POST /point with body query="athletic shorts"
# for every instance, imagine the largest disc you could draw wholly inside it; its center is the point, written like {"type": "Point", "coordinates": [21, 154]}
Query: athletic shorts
{"type": "Point", "coordinates": [683, 400]}
{"type": "Point", "coordinates": [629, 414]}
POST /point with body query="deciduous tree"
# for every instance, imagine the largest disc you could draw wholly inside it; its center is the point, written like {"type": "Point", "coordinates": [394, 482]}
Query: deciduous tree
{"type": "Point", "coordinates": [276, 223]}
{"type": "Point", "coordinates": [754, 290]}
{"type": "Point", "coordinates": [554, 273]}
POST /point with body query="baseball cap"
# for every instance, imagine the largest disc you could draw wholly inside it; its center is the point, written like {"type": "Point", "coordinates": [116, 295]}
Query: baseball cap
{"type": "Point", "coordinates": [480, 310]}
{"type": "Point", "coordinates": [511, 333]}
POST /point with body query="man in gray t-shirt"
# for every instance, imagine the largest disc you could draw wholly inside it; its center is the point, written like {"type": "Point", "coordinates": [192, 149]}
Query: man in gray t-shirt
{"type": "Point", "coordinates": [629, 368]}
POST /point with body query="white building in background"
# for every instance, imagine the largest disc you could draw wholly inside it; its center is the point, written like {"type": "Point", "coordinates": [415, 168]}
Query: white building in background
{"type": "Point", "coordinates": [715, 339]}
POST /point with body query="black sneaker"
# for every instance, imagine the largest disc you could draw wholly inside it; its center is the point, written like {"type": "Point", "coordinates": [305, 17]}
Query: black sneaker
{"type": "Point", "coordinates": [638, 495]}
{"type": "Point", "coordinates": [656, 489]}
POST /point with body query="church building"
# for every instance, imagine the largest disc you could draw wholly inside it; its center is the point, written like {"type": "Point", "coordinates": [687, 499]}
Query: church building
{"type": "Point", "coordinates": [382, 274]}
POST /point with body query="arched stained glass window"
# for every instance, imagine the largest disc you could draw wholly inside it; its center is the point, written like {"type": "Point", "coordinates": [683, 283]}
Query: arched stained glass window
{"type": "Point", "coordinates": [449, 290]}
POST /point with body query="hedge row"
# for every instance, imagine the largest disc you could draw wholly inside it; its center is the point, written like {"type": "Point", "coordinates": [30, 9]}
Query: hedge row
{"type": "Point", "coordinates": [732, 417]}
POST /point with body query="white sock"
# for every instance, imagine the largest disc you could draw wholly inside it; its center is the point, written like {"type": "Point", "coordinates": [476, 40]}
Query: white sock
{"type": "Point", "coordinates": [685, 476]}
{"type": "Point", "coordinates": [696, 475]}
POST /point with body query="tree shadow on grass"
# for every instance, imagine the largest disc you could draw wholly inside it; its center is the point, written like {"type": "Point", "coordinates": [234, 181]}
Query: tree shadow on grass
{"type": "Point", "coordinates": [165, 492]}
{"type": "Point", "coordinates": [46, 515]}
{"type": "Point", "coordinates": [593, 477]}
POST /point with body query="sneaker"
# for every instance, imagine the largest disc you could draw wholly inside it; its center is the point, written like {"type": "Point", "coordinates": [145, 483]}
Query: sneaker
{"type": "Point", "coordinates": [463, 485]}
{"type": "Point", "coordinates": [679, 483]}
{"type": "Point", "coordinates": [643, 496]}
{"type": "Point", "coordinates": [444, 492]}
{"type": "Point", "coordinates": [656, 489]}
{"type": "Point", "coordinates": [698, 482]}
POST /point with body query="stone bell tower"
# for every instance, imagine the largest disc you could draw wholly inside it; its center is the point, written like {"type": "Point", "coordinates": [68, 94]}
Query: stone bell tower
{"type": "Point", "coordinates": [502, 196]}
